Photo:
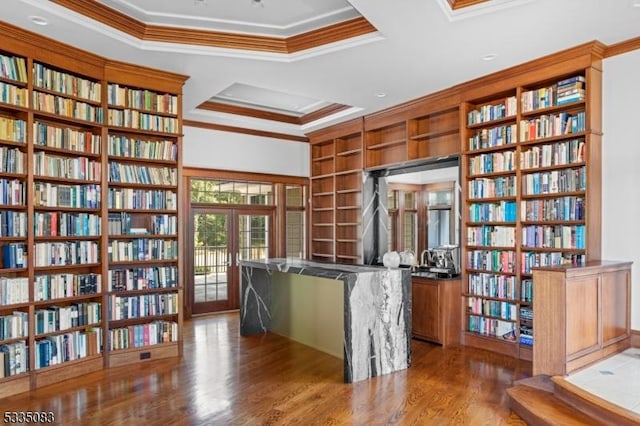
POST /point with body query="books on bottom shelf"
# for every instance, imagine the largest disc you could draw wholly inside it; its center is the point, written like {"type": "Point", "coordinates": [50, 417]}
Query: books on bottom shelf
{"type": "Point", "coordinates": [492, 327]}
{"type": "Point", "coordinates": [14, 359]}
{"type": "Point", "coordinates": [66, 347]}
{"type": "Point", "coordinates": [136, 336]}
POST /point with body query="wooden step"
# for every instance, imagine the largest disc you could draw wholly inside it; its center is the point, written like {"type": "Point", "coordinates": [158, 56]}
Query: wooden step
{"type": "Point", "coordinates": [539, 407]}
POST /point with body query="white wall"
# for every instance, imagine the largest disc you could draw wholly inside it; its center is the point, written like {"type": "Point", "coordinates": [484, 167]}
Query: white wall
{"type": "Point", "coordinates": [621, 167]}
{"type": "Point", "coordinates": [214, 149]}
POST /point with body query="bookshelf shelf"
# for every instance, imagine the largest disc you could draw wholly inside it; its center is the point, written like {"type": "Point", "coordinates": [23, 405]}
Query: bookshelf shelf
{"type": "Point", "coordinates": [492, 123]}
{"type": "Point", "coordinates": [387, 144]}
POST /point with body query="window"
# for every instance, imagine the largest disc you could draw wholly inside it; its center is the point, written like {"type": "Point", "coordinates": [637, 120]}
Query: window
{"type": "Point", "coordinates": [231, 192]}
{"type": "Point", "coordinates": [295, 222]}
{"type": "Point", "coordinates": [440, 219]}
{"type": "Point", "coordinates": [402, 207]}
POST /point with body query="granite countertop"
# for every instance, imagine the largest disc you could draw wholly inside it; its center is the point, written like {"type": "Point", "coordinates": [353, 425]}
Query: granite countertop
{"type": "Point", "coordinates": [307, 267]}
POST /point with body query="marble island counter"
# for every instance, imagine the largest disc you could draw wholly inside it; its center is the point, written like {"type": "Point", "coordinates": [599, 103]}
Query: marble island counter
{"type": "Point", "coordinates": [359, 313]}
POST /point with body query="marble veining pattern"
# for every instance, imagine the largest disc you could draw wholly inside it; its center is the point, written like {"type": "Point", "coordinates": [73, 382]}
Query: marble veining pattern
{"type": "Point", "coordinates": [377, 311]}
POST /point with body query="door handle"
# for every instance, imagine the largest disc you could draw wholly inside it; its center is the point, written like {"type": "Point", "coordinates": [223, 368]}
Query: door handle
{"type": "Point", "coordinates": [237, 259]}
{"type": "Point", "coordinates": [228, 259]}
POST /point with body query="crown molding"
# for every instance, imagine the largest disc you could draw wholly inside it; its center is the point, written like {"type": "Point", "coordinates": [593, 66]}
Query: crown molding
{"type": "Point", "coordinates": [218, 39]}
{"type": "Point", "coordinates": [243, 130]}
{"type": "Point", "coordinates": [622, 47]}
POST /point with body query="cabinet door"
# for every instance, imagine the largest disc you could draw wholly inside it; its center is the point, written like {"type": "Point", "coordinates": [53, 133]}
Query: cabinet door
{"type": "Point", "coordinates": [582, 316]}
{"type": "Point", "coordinates": [425, 308]}
{"type": "Point", "coordinates": [616, 287]}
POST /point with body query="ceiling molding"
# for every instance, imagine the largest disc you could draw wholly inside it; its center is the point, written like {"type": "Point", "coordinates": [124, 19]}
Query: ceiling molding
{"type": "Point", "coordinates": [233, 129]}
{"type": "Point", "coordinates": [457, 4]}
{"type": "Point", "coordinates": [622, 47]}
{"type": "Point", "coordinates": [273, 116]}
{"type": "Point", "coordinates": [218, 39]}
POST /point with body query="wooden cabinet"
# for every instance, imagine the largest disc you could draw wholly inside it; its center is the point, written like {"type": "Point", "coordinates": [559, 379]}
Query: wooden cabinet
{"type": "Point", "coordinates": [86, 141]}
{"type": "Point", "coordinates": [581, 314]}
{"type": "Point", "coordinates": [436, 310]}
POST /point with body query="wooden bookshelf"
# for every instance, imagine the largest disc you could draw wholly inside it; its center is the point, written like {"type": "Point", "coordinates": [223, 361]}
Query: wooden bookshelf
{"type": "Point", "coordinates": [386, 145]}
{"type": "Point", "coordinates": [436, 134]}
{"type": "Point", "coordinates": [531, 185]}
{"type": "Point", "coordinates": [56, 129]}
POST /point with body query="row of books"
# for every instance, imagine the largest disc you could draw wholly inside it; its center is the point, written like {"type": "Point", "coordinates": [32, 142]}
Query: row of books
{"type": "Point", "coordinates": [14, 255]}
{"type": "Point", "coordinates": [565, 91]}
{"type": "Point", "coordinates": [526, 335]}
{"type": "Point", "coordinates": [130, 198]}
{"type": "Point", "coordinates": [562, 208]}
{"type": "Point", "coordinates": [493, 285]}
{"type": "Point", "coordinates": [53, 224]}
{"type": "Point", "coordinates": [12, 192]}
{"type": "Point", "coordinates": [58, 195]}
{"type": "Point", "coordinates": [503, 186]}
{"type": "Point", "coordinates": [13, 68]}
{"type": "Point", "coordinates": [556, 236]}
{"type": "Point", "coordinates": [14, 359]}
{"type": "Point", "coordinates": [123, 146]}
{"type": "Point", "coordinates": [492, 163]}
{"type": "Point", "coordinates": [66, 253]}
{"type": "Point", "coordinates": [142, 99]}
{"type": "Point", "coordinates": [491, 236]}
{"type": "Point", "coordinates": [65, 83]}
{"type": "Point", "coordinates": [12, 95]}
{"type": "Point", "coordinates": [489, 112]}
{"type": "Point", "coordinates": [492, 327]}
{"type": "Point", "coordinates": [12, 129]}
{"type": "Point", "coordinates": [144, 305]}
{"type": "Point", "coordinates": [11, 160]}
{"type": "Point", "coordinates": [14, 326]}
{"type": "Point", "coordinates": [67, 107]}
{"type": "Point", "coordinates": [14, 290]}
{"type": "Point", "coordinates": [547, 126]}
{"type": "Point", "coordinates": [502, 211]}
{"type": "Point", "coordinates": [133, 173]}
{"type": "Point", "coordinates": [82, 168]}
{"type": "Point", "coordinates": [142, 249]}
{"type": "Point", "coordinates": [556, 154]}
{"type": "Point", "coordinates": [60, 286]}
{"type": "Point", "coordinates": [492, 308]}
{"type": "Point", "coordinates": [60, 318]}
{"type": "Point", "coordinates": [142, 278]}
{"type": "Point", "coordinates": [535, 259]}
{"type": "Point", "coordinates": [495, 136]}
{"type": "Point", "coordinates": [138, 336]}
{"type": "Point", "coordinates": [53, 350]}
{"type": "Point", "coordinates": [555, 182]}
{"type": "Point", "coordinates": [139, 120]}
{"type": "Point", "coordinates": [13, 223]}
{"type": "Point", "coordinates": [45, 134]}
{"type": "Point", "coordinates": [162, 224]}
{"type": "Point", "coordinates": [492, 260]}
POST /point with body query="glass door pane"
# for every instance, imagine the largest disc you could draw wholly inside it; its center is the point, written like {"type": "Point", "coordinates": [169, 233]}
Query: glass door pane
{"type": "Point", "coordinates": [211, 259]}
{"type": "Point", "coordinates": [253, 236]}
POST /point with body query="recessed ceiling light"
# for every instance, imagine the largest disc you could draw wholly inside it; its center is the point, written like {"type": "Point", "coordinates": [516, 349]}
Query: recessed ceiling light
{"type": "Point", "coordinates": [490, 57]}
{"type": "Point", "coordinates": [257, 3]}
{"type": "Point", "coordinates": [636, 3]}
{"type": "Point", "coordinates": [38, 20]}
{"type": "Point", "coordinates": [381, 94]}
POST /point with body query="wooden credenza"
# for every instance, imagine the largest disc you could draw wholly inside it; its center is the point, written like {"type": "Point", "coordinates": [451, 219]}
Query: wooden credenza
{"type": "Point", "coordinates": [436, 310]}
{"type": "Point", "coordinates": [581, 315]}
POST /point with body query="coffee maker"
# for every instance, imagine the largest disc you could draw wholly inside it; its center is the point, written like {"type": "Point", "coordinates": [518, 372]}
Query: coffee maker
{"type": "Point", "coordinates": [443, 261]}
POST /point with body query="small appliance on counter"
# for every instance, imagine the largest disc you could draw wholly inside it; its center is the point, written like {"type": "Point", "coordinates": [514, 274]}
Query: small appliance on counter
{"type": "Point", "coordinates": [443, 261]}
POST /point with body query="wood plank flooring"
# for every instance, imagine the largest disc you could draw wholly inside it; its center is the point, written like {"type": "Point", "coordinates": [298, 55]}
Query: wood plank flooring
{"type": "Point", "coordinates": [225, 379]}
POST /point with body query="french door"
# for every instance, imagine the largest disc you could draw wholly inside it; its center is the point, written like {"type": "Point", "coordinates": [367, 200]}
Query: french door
{"type": "Point", "coordinates": [220, 238]}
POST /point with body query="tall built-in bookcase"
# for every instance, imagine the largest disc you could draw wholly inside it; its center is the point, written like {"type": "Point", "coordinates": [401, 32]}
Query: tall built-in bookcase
{"type": "Point", "coordinates": [336, 194]}
{"type": "Point", "coordinates": [77, 292]}
{"type": "Point", "coordinates": [531, 191]}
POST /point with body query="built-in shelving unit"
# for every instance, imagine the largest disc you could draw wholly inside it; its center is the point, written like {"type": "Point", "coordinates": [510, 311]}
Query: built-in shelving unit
{"type": "Point", "coordinates": [531, 171]}
{"type": "Point", "coordinates": [83, 140]}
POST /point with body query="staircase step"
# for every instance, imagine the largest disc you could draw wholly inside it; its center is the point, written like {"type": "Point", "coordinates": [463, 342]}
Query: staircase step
{"type": "Point", "coordinates": [539, 407]}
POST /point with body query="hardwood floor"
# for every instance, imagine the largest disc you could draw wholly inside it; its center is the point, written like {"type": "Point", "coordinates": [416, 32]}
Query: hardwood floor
{"type": "Point", "coordinates": [225, 379]}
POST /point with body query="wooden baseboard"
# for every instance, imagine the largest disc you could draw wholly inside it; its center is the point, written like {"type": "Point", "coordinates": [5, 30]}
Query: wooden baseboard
{"type": "Point", "coordinates": [635, 338]}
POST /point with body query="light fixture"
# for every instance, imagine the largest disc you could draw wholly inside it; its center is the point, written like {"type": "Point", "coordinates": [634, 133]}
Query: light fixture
{"type": "Point", "coordinates": [38, 20]}
{"type": "Point", "coordinates": [200, 2]}
{"type": "Point", "coordinates": [380, 94]}
{"type": "Point", "coordinates": [636, 3]}
{"type": "Point", "coordinates": [257, 3]}
{"type": "Point", "coordinates": [490, 57]}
